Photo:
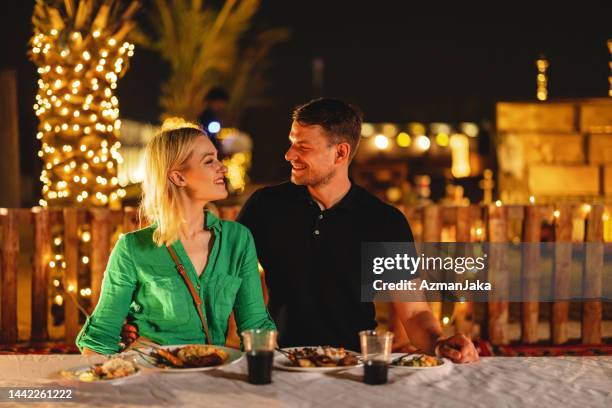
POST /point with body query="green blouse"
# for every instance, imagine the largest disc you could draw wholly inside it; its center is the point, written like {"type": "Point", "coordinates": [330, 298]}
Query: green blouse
{"type": "Point", "coordinates": [141, 281]}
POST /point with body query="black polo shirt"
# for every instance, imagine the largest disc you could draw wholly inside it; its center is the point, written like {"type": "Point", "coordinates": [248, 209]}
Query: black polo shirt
{"type": "Point", "coordinates": [312, 260]}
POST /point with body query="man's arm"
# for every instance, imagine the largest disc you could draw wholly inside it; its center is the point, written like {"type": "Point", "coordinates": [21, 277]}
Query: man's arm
{"type": "Point", "coordinates": [425, 333]}
{"type": "Point", "coordinates": [422, 327]}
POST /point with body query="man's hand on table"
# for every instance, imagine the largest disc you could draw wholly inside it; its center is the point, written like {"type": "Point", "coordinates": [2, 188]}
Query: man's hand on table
{"type": "Point", "coordinates": [457, 348]}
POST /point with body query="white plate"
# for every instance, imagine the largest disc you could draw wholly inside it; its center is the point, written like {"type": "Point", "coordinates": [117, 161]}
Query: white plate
{"type": "Point", "coordinates": [445, 362]}
{"type": "Point", "coordinates": [234, 357]}
{"type": "Point", "coordinates": [283, 363]}
{"type": "Point", "coordinates": [74, 374]}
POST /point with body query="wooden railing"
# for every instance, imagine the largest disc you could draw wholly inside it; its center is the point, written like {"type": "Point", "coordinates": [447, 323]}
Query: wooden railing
{"type": "Point", "coordinates": [35, 231]}
{"type": "Point", "coordinates": [516, 223]}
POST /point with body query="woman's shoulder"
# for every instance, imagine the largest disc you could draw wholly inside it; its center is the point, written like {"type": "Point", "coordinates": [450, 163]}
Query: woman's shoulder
{"type": "Point", "coordinates": [140, 236]}
{"type": "Point", "coordinates": [236, 231]}
{"type": "Point", "coordinates": [237, 234]}
{"type": "Point", "coordinates": [140, 243]}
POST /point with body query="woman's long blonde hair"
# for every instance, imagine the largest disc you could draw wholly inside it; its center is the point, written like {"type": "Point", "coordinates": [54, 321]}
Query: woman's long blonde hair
{"type": "Point", "coordinates": [167, 151]}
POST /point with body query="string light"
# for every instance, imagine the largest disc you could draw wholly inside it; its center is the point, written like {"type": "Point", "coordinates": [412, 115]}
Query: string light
{"type": "Point", "coordinates": [78, 73]}
{"type": "Point", "coordinates": [610, 63]}
{"type": "Point", "coordinates": [542, 79]}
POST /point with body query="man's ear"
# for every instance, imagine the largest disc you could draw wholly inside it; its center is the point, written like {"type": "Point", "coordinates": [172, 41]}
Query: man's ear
{"type": "Point", "coordinates": [343, 151]}
{"type": "Point", "coordinates": [177, 178]}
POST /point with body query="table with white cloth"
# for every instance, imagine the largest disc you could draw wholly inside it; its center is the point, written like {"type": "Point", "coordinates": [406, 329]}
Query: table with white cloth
{"type": "Point", "coordinates": [491, 382]}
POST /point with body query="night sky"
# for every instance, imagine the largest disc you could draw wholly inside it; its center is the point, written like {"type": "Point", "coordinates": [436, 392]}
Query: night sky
{"type": "Point", "coordinates": [398, 63]}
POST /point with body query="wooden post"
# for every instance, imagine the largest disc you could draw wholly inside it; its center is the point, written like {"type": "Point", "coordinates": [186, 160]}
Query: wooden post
{"type": "Point", "coordinates": [463, 311]}
{"type": "Point", "coordinates": [40, 274]}
{"type": "Point", "coordinates": [432, 231]}
{"type": "Point", "coordinates": [497, 229]}
{"type": "Point", "coordinates": [10, 182]}
{"type": "Point", "coordinates": [100, 250]}
{"type": "Point", "coordinates": [561, 274]}
{"type": "Point", "coordinates": [71, 286]}
{"type": "Point", "coordinates": [10, 250]}
{"type": "Point", "coordinates": [415, 219]}
{"type": "Point", "coordinates": [592, 277]}
{"type": "Point", "coordinates": [532, 225]}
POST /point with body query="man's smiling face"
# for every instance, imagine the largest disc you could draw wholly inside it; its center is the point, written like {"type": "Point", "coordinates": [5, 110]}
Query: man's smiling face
{"type": "Point", "coordinates": [311, 154]}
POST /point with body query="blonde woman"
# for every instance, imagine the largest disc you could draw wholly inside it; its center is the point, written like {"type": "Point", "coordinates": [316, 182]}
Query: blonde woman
{"type": "Point", "coordinates": [143, 279]}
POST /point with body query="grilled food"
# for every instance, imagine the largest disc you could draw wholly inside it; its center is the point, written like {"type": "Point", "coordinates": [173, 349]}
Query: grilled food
{"type": "Point", "coordinates": [326, 356]}
{"type": "Point", "coordinates": [191, 356]}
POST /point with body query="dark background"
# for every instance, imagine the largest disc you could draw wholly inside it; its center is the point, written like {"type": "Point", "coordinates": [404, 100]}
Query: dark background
{"type": "Point", "coordinates": [398, 62]}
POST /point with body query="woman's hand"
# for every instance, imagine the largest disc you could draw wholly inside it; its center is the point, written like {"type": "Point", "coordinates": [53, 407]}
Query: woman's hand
{"type": "Point", "coordinates": [89, 352]}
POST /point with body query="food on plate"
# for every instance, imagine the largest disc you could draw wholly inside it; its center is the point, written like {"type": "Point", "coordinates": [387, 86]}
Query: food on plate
{"type": "Point", "coordinates": [420, 360]}
{"type": "Point", "coordinates": [190, 356]}
{"type": "Point", "coordinates": [309, 357]}
{"type": "Point", "coordinates": [113, 368]}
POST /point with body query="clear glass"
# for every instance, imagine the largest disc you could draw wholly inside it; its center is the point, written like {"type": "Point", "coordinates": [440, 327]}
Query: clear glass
{"type": "Point", "coordinates": [259, 346]}
{"type": "Point", "coordinates": [259, 340]}
{"type": "Point", "coordinates": [376, 353]}
{"type": "Point", "coordinates": [376, 346]}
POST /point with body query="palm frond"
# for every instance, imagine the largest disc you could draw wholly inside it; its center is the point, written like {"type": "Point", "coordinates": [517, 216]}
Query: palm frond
{"type": "Point", "coordinates": [201, 45]}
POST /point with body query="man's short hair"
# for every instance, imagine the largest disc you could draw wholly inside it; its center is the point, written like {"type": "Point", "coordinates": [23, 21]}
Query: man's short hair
{"type": "Point", "coordinates": [341, 121]}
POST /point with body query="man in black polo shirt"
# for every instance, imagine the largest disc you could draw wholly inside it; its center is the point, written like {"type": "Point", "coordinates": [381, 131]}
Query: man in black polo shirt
{"type": "Point", "coordinates": [308, 234]}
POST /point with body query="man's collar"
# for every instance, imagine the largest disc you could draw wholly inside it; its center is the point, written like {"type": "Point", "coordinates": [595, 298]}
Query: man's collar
{"type": "Point", "coordinates": [346, 202]}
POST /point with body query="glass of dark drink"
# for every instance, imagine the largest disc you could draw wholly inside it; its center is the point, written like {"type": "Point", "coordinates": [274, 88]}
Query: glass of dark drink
{"type": "Point", "coordinates": [259, 347]}
{"type": "Point", "coordinates": [376, 353]}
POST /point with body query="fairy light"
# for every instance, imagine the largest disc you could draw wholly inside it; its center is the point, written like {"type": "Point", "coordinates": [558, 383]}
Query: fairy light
{"type": "Point", "coordinates": [75, 103]}
{"type": "Point", "coordinates": [542, 79]}
{"type": "Point", "coordinates": [610, 64]}
{"type": "Point", "coordinates": [586, 209]}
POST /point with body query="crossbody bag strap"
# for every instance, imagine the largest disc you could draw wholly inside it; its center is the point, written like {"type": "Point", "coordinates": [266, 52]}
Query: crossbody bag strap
{"type": "Point", "coordinates": [194, 294]}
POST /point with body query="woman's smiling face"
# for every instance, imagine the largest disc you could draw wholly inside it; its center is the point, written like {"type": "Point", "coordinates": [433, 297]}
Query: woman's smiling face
{"type": "Point", "coordinates": [204, 174]}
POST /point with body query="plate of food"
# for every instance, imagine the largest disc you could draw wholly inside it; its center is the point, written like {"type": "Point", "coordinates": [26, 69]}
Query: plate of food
{"type": "Point", "coordinates": [187, 357]}
{"type": "Point", "coordinates": [316, 359]}
{"type": "Point", "coordinates": [114, 370]}
{"type": "Point", "coordinates": [418, 361]}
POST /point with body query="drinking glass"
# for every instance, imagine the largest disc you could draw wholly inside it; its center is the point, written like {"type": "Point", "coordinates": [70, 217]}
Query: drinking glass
{"type": "Point", "coordinates": [376, 353]}
{"type": "Point", "coordinates": [259, 345]}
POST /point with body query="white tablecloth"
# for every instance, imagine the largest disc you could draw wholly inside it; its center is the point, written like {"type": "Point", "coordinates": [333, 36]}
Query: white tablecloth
{"type": "Point", "coordinates": [492, 382]}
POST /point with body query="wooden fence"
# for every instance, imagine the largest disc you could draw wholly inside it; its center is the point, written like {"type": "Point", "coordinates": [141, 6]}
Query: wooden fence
{"type": "Point", "coordinates": [432, 223]}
